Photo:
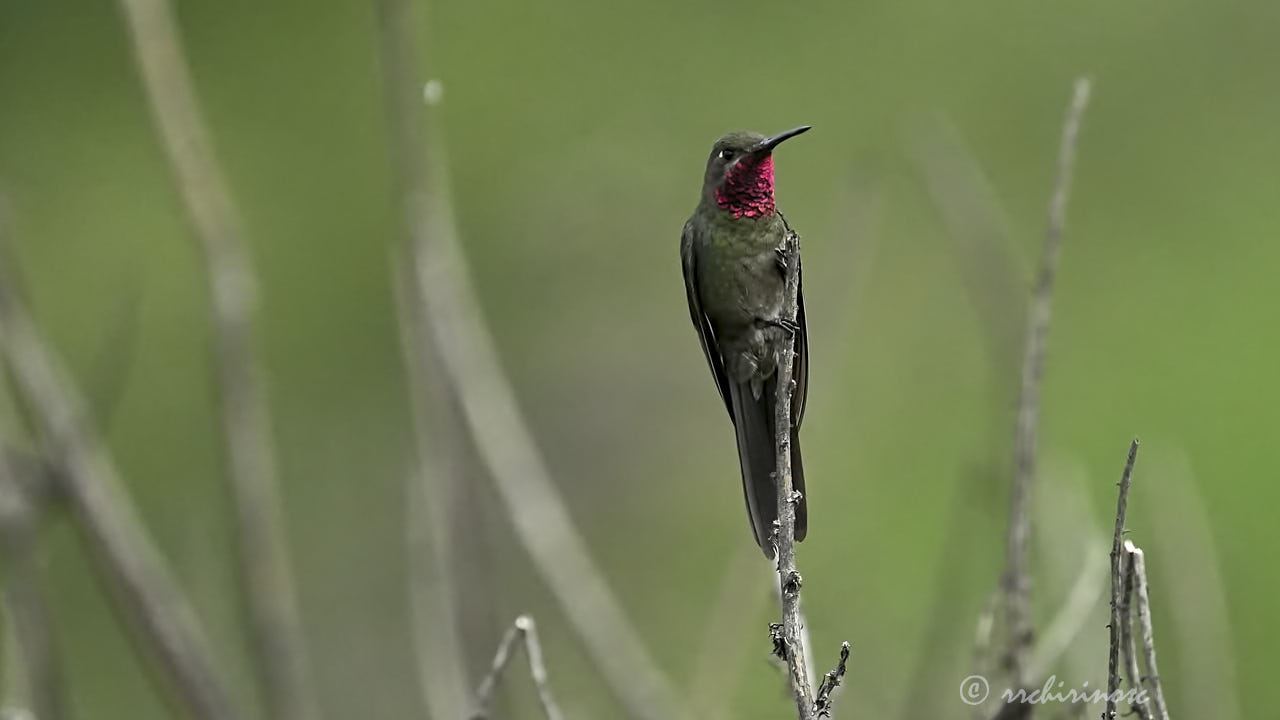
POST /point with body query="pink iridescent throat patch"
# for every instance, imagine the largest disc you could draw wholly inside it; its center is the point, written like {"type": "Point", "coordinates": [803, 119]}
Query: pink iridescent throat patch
{"type": "Point", "coordinates": [748, 189]}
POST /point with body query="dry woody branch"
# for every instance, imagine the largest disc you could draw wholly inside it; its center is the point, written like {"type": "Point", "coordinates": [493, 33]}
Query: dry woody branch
{"type": "Point", "coordinates": [1152, 679]}
{"type": "Point", "coordinates": [784, 539]}
{"type": "Point", "coordinates": [1138, 706]}
{"type": "Point", "coordinates": [523, 629]}
{"type": "Point", "coordinates": [823, 702]}
{"type": "Point", "coordinates": [1117, 582]}
{"type": "Point", "coordinates": [789, 578]}
{"type": "Point", "coordinates": [1129, 585]}
{"type": "Point", "coordinates": [789, 637]}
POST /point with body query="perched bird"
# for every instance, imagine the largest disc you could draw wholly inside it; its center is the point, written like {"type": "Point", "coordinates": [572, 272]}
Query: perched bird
{"type": "Point", "coordinates": [734, 276]}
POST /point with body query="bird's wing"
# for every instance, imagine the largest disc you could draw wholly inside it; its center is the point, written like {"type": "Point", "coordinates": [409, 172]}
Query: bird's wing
{"type": "Point", "coordinates": [701, 323]}
{"type": "Point", "coordinates": [801, 367]}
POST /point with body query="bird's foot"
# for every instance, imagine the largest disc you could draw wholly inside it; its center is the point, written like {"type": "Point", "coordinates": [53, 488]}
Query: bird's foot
{"type": "Point", "coordinates": [790, 326]}
{"type": "Point", "coordinates": [782, 256]}
{"type": "Point", "coordinates": [790, 242]}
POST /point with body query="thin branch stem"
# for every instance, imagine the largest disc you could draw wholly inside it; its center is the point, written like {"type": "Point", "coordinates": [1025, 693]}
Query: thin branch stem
{"type": "Point", "coordinates": [270, 594]}
{"type": "Point", "coordinates": [1117, 583]}
{"type": "Point", "coordinates": [24, 598]}
{"type": "Point", "coordinates": [140, 582]}
{"type": "Point", "coordinates": [488, 687]}
{"type": "Point", "coordinates": [793, 646]}
{"type": "Point", "coordinates": [1160, 709]}
{"type": "Point", "coordinates": [722, 649]}
{"type": "Point", "coordinates": [430, 490]}
{"type": "Point", "coordinates": [539, 516]}
{"type": "Point", "coordinates": [1017, 579]}
{"type": "Point", "coordinates": [1193, 579]}
{"type": "Point", "coordinates": [822, 701]}
{"type": "Point", "coordinates": [1138, 704]}
{"type": "Point", "coordinates": [982, 633]}
{"type": "Point", "coordinates": [994, 272]}
{"type": "Point", "coordinates": [1074, 614]}
{"type": "Point", "coordinates": [523, 629]}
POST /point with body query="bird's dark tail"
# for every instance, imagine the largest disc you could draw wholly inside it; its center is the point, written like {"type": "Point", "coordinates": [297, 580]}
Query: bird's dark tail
{"type": "Point", "coordinates": [754, 425]}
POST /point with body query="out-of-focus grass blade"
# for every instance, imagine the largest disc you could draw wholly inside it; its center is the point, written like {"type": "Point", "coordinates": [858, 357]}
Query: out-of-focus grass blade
{"type": "Point", "coordinates": [1070, 576]}
{"type": "Point", "coordinates": [1187, 591]}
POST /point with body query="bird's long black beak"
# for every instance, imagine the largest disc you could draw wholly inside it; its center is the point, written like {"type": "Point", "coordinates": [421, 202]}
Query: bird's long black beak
{"type": "Point", "coordinates": [766, 146]}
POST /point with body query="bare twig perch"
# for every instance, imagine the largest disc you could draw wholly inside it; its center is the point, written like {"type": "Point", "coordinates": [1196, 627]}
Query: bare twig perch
{"type": "Point", "coordinates": [138, 578]}
{"type": "Point", "coordinates": [1117, 583]}
{"type": "Point", "coordinates": [1016, 583]}
{"type": "Point", "coordinates": [792, 648]}
{"type": "Point", "coordinates": [264, 557]}
{"type": "Point", "coordinates": [806, 642]}
{"type": "Point", "coordinates": [523, 629]}
{"type": "Point", "coordinates": [1161, 710]}
{"type": "Point", "coordinates": [790, 639]}
{"type": "Point", "coordinates": [539, 517]}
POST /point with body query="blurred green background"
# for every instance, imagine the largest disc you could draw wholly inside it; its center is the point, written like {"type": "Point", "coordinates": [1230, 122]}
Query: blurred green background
{"type": "Point", "coordinates": [577, 133]}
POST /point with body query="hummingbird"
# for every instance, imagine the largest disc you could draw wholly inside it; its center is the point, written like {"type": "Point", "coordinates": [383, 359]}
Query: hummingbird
{"type": "Point", "coordinates": [731, 252]}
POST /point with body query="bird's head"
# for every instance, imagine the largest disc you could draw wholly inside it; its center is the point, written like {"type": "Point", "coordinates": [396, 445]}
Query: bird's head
{"type": "Point", "coordinates": [739, 177]}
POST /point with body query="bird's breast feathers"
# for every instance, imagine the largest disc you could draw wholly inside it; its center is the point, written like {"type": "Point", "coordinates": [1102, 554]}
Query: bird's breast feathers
{"type": "Point", "coordinates": [738, 276]}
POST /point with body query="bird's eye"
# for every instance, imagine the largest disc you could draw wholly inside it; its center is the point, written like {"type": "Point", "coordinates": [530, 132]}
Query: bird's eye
{"type": "Point", "coordinates": [726, 154]}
